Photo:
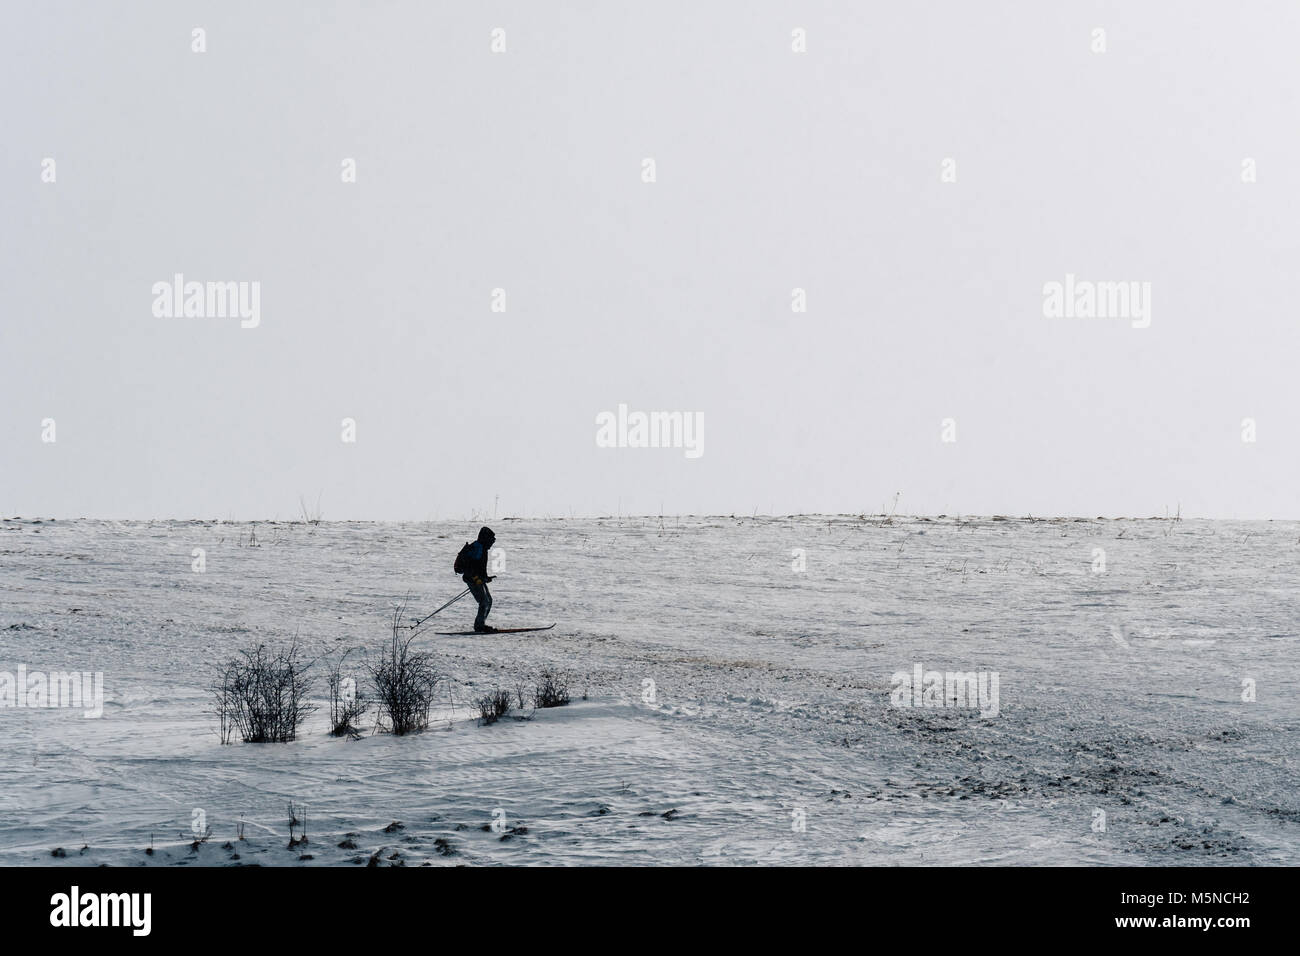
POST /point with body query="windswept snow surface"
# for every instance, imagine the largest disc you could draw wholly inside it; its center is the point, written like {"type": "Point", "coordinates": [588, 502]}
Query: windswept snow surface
{"type": "Point", "coordinates": [1120, 693]}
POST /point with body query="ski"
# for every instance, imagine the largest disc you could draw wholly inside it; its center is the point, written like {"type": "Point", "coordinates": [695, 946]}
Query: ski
{"type": "Point", "coordinates": [499, 630]}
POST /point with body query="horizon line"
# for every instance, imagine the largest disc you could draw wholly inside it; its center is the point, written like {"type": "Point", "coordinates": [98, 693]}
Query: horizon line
{"type": "Point", "coordinates": [861, 516]}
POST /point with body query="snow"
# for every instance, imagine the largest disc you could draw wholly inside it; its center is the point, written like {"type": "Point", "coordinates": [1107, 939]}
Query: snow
{"type": "Point", "coordinates": [1120, 692]}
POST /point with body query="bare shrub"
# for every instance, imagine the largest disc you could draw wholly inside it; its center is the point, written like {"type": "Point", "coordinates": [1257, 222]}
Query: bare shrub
{"type": "Point", "coordinates": [261, 694]}
{"type": "Point", "coordinates": [200, 837]}
{"type": "Point", "coordinates": [295, 824]}
{"type": "Point", "coordinates": [224, 707]}
{"type": "Point", "coordinates": [405, 681]}
{"type": "Point", "coordinates": [552, 690]}
{"type": "Point", "coordinates": [309, 516]}
{"type": "Point", "coordinates": [347, 704]}
{"type": "Point", "coordinates": [492, 707]}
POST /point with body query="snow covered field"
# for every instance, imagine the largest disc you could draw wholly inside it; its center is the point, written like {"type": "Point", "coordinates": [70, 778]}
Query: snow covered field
{"type": "Point", "coordinates": [1119, 693]}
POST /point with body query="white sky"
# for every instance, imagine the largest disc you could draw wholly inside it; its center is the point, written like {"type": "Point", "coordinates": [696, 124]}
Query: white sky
{"type": "Point", "coordinates": [522, 171]}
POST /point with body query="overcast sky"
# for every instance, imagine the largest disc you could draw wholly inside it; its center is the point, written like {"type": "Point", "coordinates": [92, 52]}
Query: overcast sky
{"type": "Point", "coordinates": [524, 170]}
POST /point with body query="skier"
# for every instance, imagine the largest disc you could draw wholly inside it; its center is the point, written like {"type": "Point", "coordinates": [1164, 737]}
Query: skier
{"type": "Point", "coordinates": [476, 576]}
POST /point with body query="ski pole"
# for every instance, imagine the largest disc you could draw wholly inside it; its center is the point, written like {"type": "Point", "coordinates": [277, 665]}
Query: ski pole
{"type": "Point", "coordinates": [443, 608]}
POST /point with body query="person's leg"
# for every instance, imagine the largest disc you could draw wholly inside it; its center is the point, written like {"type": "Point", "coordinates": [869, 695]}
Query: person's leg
{"type": "Point", "coordinates": [480, 592]}
{"type": "Point", "coordinates": [484, 608]}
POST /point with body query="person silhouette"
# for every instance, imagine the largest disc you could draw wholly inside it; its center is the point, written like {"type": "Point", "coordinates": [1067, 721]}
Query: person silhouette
{"type": "Point", "coordinates": [476, 576]}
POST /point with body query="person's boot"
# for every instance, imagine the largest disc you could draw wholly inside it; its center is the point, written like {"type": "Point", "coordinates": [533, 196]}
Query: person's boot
{"type": "Point", "coordinates": [484, 629]}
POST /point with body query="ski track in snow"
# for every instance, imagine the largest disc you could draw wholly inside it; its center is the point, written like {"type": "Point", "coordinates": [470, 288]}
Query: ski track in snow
{"type": "Point", "coordinates": [1119, 692]}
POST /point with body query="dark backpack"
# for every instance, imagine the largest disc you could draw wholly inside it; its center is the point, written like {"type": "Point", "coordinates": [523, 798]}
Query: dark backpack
{"type": "Point", "coordinates": [462, 559]}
